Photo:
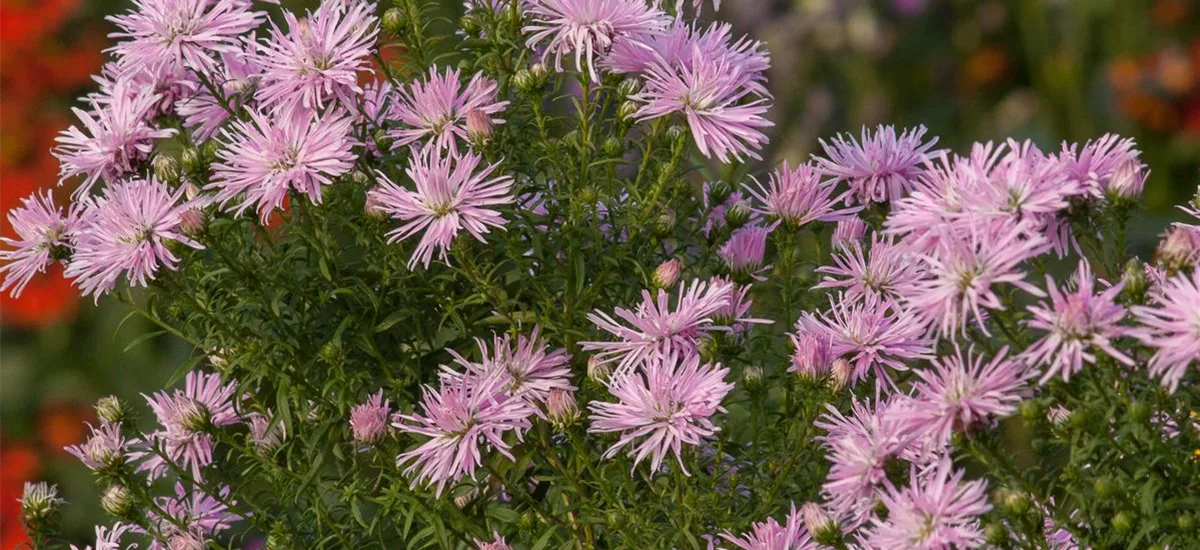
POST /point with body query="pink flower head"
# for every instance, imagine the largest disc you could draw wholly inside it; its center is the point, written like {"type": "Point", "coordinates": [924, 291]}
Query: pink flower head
{"type": "Point", "coordinates": [451, 196]}
{"type": "Point", "coordinates": [435, 111]}
{"type": "Point", "coordinates": [464, 412]}
{"type": "Point", "coordinates": [674, 47]}
{"type": "Point", "coordinates": [319, 57]}
{"type": "Point", "coordinates": [848, 230]}
{"type": "Point", "coordinates": [170, 83]}
{"type": "Point", "coordinates": [936, 511]}
{"type": "Point", "coordinates": [874, 334]}
{"type": "Point", "coordinates": [497, 543]}
{"type": "Point", "coordinates": [105, 449]}
{"type": "Point", "coordinates": [963, 273]}
{"type": "Point", "coordinates": [263, 435]}
{"type": "Point", "coordinates": [185, 34]}
{"type": "Point", "coordinates": [888, 269]}
{"type": "Point", "coordinates": [203, 112]}
{"type": "Point", "coordinates": [714, 95]}
{"type": "Point", "coordinates": [109, 539]}
{"type": "Point", "coordinates": [43, 236]}
{"type": "Point", "coordinates": [587, 27]}
{"type": "Point", "coordinates": [126, 231]}
{"type": "Point", "coordinates": [265, 158]}
{"type": "Point", "coordinates": [118, 137]}
{"type": "Point", "coordinates": [530, 369]}
{"type": "Point", "coordinates": [369, 421]}
{"type": "Point", "coordinates": [1092, 167]}
{"type": "Point", "coordinates": [735, 314]}
{"type": "Point", "coordinates": [880, 167]}
{"type": "Point", "coordinates": [1076, 323]}
{"type": "Point", "coordinates": [799, 197]}
{"type": "Point", "coordinates": [934, 208]}
{"type": "Point", "coordinates": [743, 252]}
{"type": "Point", "coordinates": [770, 535]}
{"type": "Point", "coordinates": [1171, 325]}
{"type": "Point", "coordinates": [204, 515]}
{"type": "Point", "coordinates": [859, 447]}
{"type": "Point", "coordinates": [669, 402]}
{"type": "Point", "coordinates": [655, 329]}
{"type": "Point", "coordinates": [185, 418]}
{"type": "Point", "coordinates": [961, 391]}
{"type": "Point", "coordinates": [812, 356]}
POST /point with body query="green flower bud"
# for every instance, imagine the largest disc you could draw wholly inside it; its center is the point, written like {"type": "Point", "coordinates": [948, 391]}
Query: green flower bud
{"type": "Point", "coordinates": [1186, 523]}
{"type": "Point", "coordinates": [996, 534]}
{"type": "Point", "coordinates": [394, 21]}
{"type": "Point", "coordinates": [719, 192]}
{"type": "Point", "coordinates": [117, 501]}
{"type": "Point", "coordinates": [1105, 487]}
{"type": "Point", "coordinates": [1123, 522]}
{"type": "Point", "coordinates": [665, 224]}
{"type": "Point", "coordinates": [738, 214]}
{"type": "Point", "coordinates": [166, 168]}
{"type": "Point", "coordinates": [613, 147]}
{"type": "Point", "coordinates": [753, 378]}
{"type": "Point", "coordinates": [1139, 412]}
{"type": "Point", "coordinates": [1031, 410]}
{"type": "Point", "coordinates": [628, 109]}
{"type": "Point", "coordinates": [678, 134]}
{"type": "Point", "coordinates": [1135, 281]}
{"type": "Point", "coordinates": [628, 87]}
{"type": "Point", "coordinates": [471, 23]}
{"type": "Point", "coordinates": [191, 162]}
{"type": "Point", "coordinates": [110, 410]}
{"type": "Point", "coordinates": [39, 501]}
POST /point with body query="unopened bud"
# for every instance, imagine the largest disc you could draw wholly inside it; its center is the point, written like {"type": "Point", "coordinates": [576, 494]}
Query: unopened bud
{"type": "Point", "coordinates": [719, 192]}
{"type": "Point", "coordinates": [191, 162]}
{"type": "Point", "coordinates": [166, 168]}
{"type": "Point", "coordinates": [1058, 415]}
{"type": "Point", "coordinates": [191, 221]}
{"type": "Point", "coordinates": [1031, 410]}
{"type": "Point", "coordinates": [753, 378]}
{"type": "Point", "coordinates": [117, 501]}
{"type": "Point", "coordinates": [710, 349]}
{"type": "Point", "coordinates": [667, 273]}
{"type": "Point", "coordinates": [598, 369]}
{"type": "Point", "coordinates": [1016, 502]}
{"type": "Point", "coordinates": [1123, 521]}
{"type": "Point", "coordinates": [839, 374]}
{"type": "Point", "coordinates": [393, 21]}
{"type": "Point", "coordinates": [1135, 280]}
{"type": "Point", "coordinates": [1179, 248]}
{"type": "Point", "coordinates": [678, 134]}
{"type": "Point", "coordinates": [738, 214]}
{"type": "Point", "coordinates": [1105, 487]}
{"type": "Point", "coordinates": [561, 408]}
{"type": "Point", "coordinates": [849, 230]}
{"type": "Point", "coordinates": [613, 147]}
{"type": "Point", "coordinates": [628, 87]}
{"type": "Point", "coordinates": [818, 523]}
{"type": "Point", "coordinates": [1127, 183]}
{"type": "Point", "coordinates": [628, 109]}
{"type": "Point", "coordinates": [664, 226]}
{"type": "Point", "coordinates": [997, 534]}
{"type": "Point", "coordinates": [211, 148]}
{"type": "Point", "coordinates": [373, 206]}
{"type": "Point", "coordinates": [39, 500]}
{"type": "Point", "coordinates": [479, 127]}
{"type": "Point", "coordinates": [110, 410]}
{"type": "Point", "coordinates": [471, 23]}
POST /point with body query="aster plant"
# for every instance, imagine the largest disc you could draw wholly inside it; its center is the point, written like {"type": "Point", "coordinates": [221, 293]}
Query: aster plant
{"type": "Point", "coordinates": [516, 288]}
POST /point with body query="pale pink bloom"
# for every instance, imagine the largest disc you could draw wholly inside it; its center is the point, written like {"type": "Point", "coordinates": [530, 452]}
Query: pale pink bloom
{"type": "Point", "coordinates": [203, 112]}
{"type": "Point", "coordinates": [587, 28]}
{"type": "Point", "coordinates": [715, 98]}
{"type": "Point", "coordinates": [1092, 167]}
{"type": "Point", "coordinates": [369, 421]}
{"type": "Point", "coordinates": [204, 515]}
{"type": "Point", "coordinates": [110, 539]}
{"type": "Point", "coordinates": [887, 269]}
{"type": "Point", "coordinates": [126, 231]}
{"type": "Point", "coordinates": [933, 207]}
{"type": "Point", "coordinates": [452, 195]}
{"type": "Point", "coordinates": [813, 355]}
{"type": "Point", "coordinates": [963, 273]}
{"type": "Point", "coordinates": [743, 252]}
{"type": "Point", "coordinates": [848, 230]}
{"type": "Point", "coordinates": [561, 407]}
{"type": "Point", "coordinates": [655, 329]}
{"type": "Point", "coordinates": [170, 83]}
{"type": "Point", "coordinates": [266, 157]}
{"type": "Point", "coordinates": [859, 447]}
{"type": "Point", "coordinates": [435, 110]}
{"type": "Point", "coordinates": [799, 197]}
{"type": "Point", "coordinates": [185, 419]}
{"type": "Point", "coordinates": [464, 413]}
{"type": "Point", "coordinates": [770, 535]}
{"type": "Point", "coordinates": [185, 34]}
{"type": "Point", "coordinates": [1076, 324]}
{"type": "Point", "coordinates": [937, 511]}
{"type": "Point", "coordinates": [319, 57]}
{"type": "Point", "coordinates": [667, 273]}
{"type": "Point", "coordinates": [497, 543]}
{"type": "Point", "coordinates": [881, 166]}
{"type": "Point", "coordinates": [669, 402]}
{"type": "Point", "coordinates": [1171, 325]}
{"type": "Point", "coordinates": [960, 391]}
{"type": "Point", "coordinates": [105, 450]}
{"type": "Point", "coordinates": [1179, 248]}
{"type": "Point", "coordinates": [265, 437]}
{"type": "Point", "coordinates": [531, 370]}
{"type": "Point", "coordinates": [118, 137]}
{"type": "Point", "coordinates": [874, 333]}
{"type": "Point", "coordinates": [43, 236]}
{"type": "Point", "coordinates": [674, 47]}
{"type": "Point", "coordinates": [736, 313]}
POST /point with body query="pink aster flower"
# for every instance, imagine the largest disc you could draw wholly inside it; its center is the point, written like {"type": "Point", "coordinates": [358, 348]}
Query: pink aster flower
{"type": "Point", "coordinates": [109, 539]}
{"type": "Point", "coordinates": [204, 515]}
{"type": "Point", "coordinates": [879, 167]}
{"type": "Point", "coordinates": [530, 368]}
{"type": "Point", "coordinates": [182, 33]}
{"type": "Point", "coordinates": [859, 447]}
{"type": "Point", "coordinates": [451, 196]}
{"type": "Point", "coordinates": [265, 158]}
{"type": "Point", "coordinates": [497, 543]}
{"type": "Point", "coordinates": [934, 207]}
{"type": "Point", "coordinates": [812, 355]}
{"type": "Point", "coordinates": [936, 511]}
{"type": "Point", "coordinates": [126, 231]}
{"type": "Point", "coordinates": [875, 334]}
{"type": "Point", "coordinates": [435, 111]}
{"type": "Point", "coordinates": [263, 435]}
{"type": "Point", "coordinates": [669, 402]}
{"type": "Point", "coordinates": [1076, 323]}
{"type": "Point", "coordinates": [963, 273]}
{"type": "Point", "coordinates": [961, 391]}
{"type": "Point", "coordinates": [170, 83]}
{"type": "Point", "coordinates": [888, 269]}
{"type": "Point", "coordinates": [655, 329]}
{"type": "Point", "coordinates": [713, 95]}
{"type": "Point", "coordinates": [319, 57]}
{"type": "Point", "coordinates": [743, 252]}
{"type": "Point", "coordinates": [770, 535]}
{"type": "Point", "coordinates": [118, 137]}
{"type": "Point", "coordinates": [369, 421]}
{"type": "Point", "coordinates": [674, 47]}
{"type": "Point", "coordinates": [106, 449]}
{"type": "Point", "coordinates": [43, 236]}
{"type": "Point", "coordinates": [1091, 168]}
{"type": "Point", "coordinates": [1171, 325]}
{"type": "Point", "coordinates": [736, 314]}
{"type": "Point", "coordinates": [799, 197]}
{"type": "Point", "coordinates": [849, 230]}
{"type": "Point", "coordinates": [185, 418]}
{"type": "Point", "coordinates": [587, 28]}
{"type": "Point", "coordinates": [203, 112]}
{"type": "Point", "coordinates": [463, 413]}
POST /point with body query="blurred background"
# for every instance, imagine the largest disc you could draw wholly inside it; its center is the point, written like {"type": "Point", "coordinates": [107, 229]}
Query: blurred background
{"type": "Point", "coordinates": [970, 70]}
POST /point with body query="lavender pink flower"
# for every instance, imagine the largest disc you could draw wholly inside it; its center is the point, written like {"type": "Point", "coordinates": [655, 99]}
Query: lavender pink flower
{"type": "Point", "coordinates": [204, 112]}
{"type": "Point", "coordinates": [668, 403]}
{"type": "Point", "coordinates": [799, 197]}
{"type": "Point", "coordinates": [44, 235]}
{"type": "Point", "coordinates": [743, 252]}
{"type": "Point", "coordinates": [587, 28]}
{"type": "Point", "coordinates": [935, 511]}
{"type": "Point", "coordinates": [127, 231]}
{"type": "Point", "coordinates": [185, 34]}
{"type": "Point", "coordinates": [1171, 325]}
{"type": "Point", "coordinates": [1091, 168]}
{"type": "Point", "coordinates": [185, 419]}
{"type": "Point", "coordinates": [859, 447]}
{"type": "Point", "coordinates": [770, 535]}
{"type": "Point", "coordinates": [369, 421]}
{"type": "Point", "coordinates": [880, 166]}
{"type": "Point", "coordinates": [435, 111]}
{"type": "Point", "coordinates": [106, 449]}
{"type": "Point", "coordinates": [848, 230]}
{"type": "Point", "coordinates": [812, 356]}
{"type": "Point", "coordinates": [530, 368]}
{"type": "Point", "coordinates": [109, 538]}
{"type": "Point", "coordinates": [497, 543]}
{"type": "Point", "coordinates": [204, 515]}
{"type": "Point", "coordinates": [887, 269]}
{"type": "Point", "coordinates": [674, 46]}
{"type": "Point", "coordinates": [452, 195]}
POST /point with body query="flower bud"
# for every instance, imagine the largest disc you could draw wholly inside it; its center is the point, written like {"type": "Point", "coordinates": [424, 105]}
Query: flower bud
{"type": "Point", "coordinates": [996, 534]}
{"type": "Point", "coordinates": [710, 349]}
{"type": "Point", "coordinates": [753, 378]}
{"type": "Point", "coordinates": [524, 81]}
{"type": "Point", "coordinates": [1031, 410]}
{"type": "Point", "coordinates": [470, 23]}
{"type": "Point", "coordinates": [1078, 419]}
{"type": "Point", "coordinates": [1139, 412]}
{"type": "Point", "coordinates": [598, 370]}
{"type": "Point", "coordinates": [210, 150]}
{"type": "Point", "coordinates": [665, 225]}
{"type": "Point", "coordinates": [1058, 415]}
{"type": "Point", "coordinates": [191, 162]}
{"type": "Point", "coordinates": [1123, 521]}
{"type": "Point", "coordinates": [191, 221]}
{"type": "Point", "coordinates": [848, 231]}
{"type": "Point", "coordinates": [1105, 487]}
{"type": "Point", "coordinates": [1186, 523]}
{"type": "Point", "coordinates": [166, 168]}
{"type": "Point", "coordinates": [117, 501]}
{"type": "Point", "coordinates": [719, 192]}
{"type": "Point", "coordinates": [479, 127]}
{"type": "Point", "coordinates": [628, 87]}
{"type": "Point", "coordinates": [39, 500]}
{"type": "Point", "coordinates": [110, 410]}
{"type": "Point", "coordinates": [561, 408]}
{"type": "Point", "coordinates": [812, 357]}
{"type": "Point", "coordinates": [818, 523]}
{"type": "Point", "coordinates": [1016, 502]}
{"type": "Point", "coordinates": [1127, 182]}
{"type": "Point", "coordinates": [738, 214]}
{"type": "Point", "coordinates": [628, 109]}
{"type": "Point", "coordinates": [1135, 280]}
{"type": "Point", "coordinates": [613, 147]}
{"type": "Point", "coordinates": [369, 420]}
{"type": "Point", "coordinates": [393, 21]}
{"type": "Point", "coordinates": [539, 71]}
{"type": "Point", "coordinates": [373, 207]}
{"type": "Point", "coordinates": [839, 374]}
{"type": "Point", "coordinates": [667, 273]}
{"type": "Point", "coordinates": [678, 134]}
{"type": "Point", "coordinates": [1179, 248]}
